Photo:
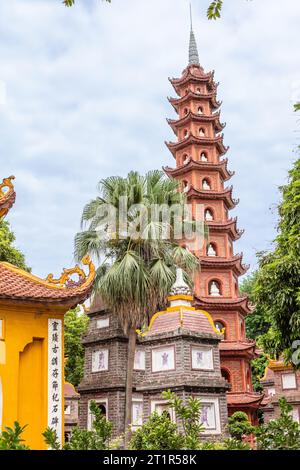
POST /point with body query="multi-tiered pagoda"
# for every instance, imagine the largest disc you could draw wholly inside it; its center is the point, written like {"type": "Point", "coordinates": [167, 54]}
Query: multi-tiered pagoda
{"type": "Point", "coordinates": [202, 169]}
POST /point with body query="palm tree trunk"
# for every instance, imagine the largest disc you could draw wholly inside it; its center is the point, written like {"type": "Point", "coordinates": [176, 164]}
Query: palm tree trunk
{"type": "Point", "coordinates": [129, 382]}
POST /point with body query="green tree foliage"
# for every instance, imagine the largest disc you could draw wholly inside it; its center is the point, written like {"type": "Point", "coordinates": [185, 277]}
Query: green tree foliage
{"type": "Point", "coordinates": [158, 433]}
{"type": "Point", "coordinates": [11, 438]}
{"type": "Point", "coordinates": [279, 434]}
{"type": "Point", "coordinates": [257, 322]}
{"type": "Point", "coordinates": [277, 287]}
{"type": "Point", "coordinates": [227, 444]}
{"type": "Point", "coordinates": [258, 366]}
{"type": "Point", "coordinates": [213, 11]}
{"type": "Point", "coordinates": [239, 425]}
{"type": "Point", "coordinates": [81, 439]}
{"type": "Point", "coordinates": [76, 325]}
{"type": "Point", "coordinates": [188, 414]}
{"type": "Point", "coordinates": [8, 252]}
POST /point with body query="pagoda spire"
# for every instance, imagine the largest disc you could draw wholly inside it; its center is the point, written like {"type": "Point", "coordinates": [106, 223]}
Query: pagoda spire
{"type": "Point", "coordinates": [193, 50]}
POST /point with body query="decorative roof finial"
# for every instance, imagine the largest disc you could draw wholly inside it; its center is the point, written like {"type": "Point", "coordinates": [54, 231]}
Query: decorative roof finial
{"type": "Point", "coordinates": [193, 51]}
{"type": "Point", "coordinates": [180, 287]}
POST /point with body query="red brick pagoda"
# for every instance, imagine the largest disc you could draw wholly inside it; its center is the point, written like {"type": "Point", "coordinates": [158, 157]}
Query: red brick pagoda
{"type": "Point", "coordinates": [203, 171]}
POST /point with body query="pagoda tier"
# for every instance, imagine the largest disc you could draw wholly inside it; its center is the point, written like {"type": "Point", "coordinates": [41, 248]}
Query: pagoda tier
{"type": "Point", "coordinates": [240, 304]}
{"type": "Point", "coordinates": [179, 123]}
{"type": "Point", "coordinates": [200, 141]}
{"type": "Point", "coordinates": [234, 263]}
{"type": "Point", "coordinates": [244, 401]}
{"type": "Point", "coordinates": [205, 195]}
{"type": "Point", "coordinates": [196, 76]}
{"type": "Point", "coordinates": [192, 164]}
{"type": "Point", "coordinates": [226, 227]}
{"type": "Point", "coordinates": [202, 174]}
{"type": "Point", "coordinates": [240, 348]}
{"type": "Point", "coordinates": [192, 96]}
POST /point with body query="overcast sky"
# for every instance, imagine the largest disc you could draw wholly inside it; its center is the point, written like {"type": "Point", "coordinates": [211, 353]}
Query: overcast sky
{"type": "Point", "coordinates": [83, 95]}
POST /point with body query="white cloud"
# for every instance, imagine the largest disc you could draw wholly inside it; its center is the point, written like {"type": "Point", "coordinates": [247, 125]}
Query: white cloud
{"type": "Point", "coordinates": [86, 96]}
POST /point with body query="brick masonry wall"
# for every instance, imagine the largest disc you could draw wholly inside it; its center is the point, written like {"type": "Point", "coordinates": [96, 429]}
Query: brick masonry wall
{"type": "Point", "coordinates": [109, 386]}
{"type": "Point", "coordinates": [272, 411]}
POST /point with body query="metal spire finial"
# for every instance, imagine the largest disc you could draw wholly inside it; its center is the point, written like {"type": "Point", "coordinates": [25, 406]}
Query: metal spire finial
{"type": "Point", "coordinates": [193, 51]}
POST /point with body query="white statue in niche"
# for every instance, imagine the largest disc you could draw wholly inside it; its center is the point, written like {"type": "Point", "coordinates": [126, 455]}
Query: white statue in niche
{"type": "Point", "coordinates": [201, 132]}
{"type": "Point", "coordinates": [211, 251]}
{"type": "Point", "coordinates": [186, 134]}
{"type": "Point", "coordinates": [208, 215]}
{"type": "Point", "coordinates": [203, 157]}
{"type": "Point", "coordinates": [186, 187]}
{"type": "Point", "coordinates": [205, 185]}
{"type": "Point", "coordinates": [186, 160]}
{"type": "Point", "coordinates": [214, 289]}
{"type": "Point", "coordinates": [200, 110]}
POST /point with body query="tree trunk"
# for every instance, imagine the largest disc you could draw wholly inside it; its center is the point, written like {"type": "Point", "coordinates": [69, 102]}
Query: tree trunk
{"type": "Point", "coordinates": [129, 381]}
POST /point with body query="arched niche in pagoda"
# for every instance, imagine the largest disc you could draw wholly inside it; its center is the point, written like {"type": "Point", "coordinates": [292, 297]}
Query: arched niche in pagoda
{"type": "Point", "coordinates": [212, 249]}
{"type": "Point", "coordinates": [214, 288]}
{"type": "Point", "coordinates": [206, 184]}
{"type": "Point", "coordinates": [209, 214]}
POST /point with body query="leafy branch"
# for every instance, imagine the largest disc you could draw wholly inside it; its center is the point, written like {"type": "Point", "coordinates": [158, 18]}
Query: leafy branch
{"type": "Point", "coordinates": [214, 10]}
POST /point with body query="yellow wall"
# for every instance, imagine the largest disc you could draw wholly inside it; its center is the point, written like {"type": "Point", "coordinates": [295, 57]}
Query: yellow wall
{"type": "Point", "coordinates": [24, 369]}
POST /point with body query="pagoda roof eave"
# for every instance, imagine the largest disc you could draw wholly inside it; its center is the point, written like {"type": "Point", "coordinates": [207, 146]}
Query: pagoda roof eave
{"type": "Point", "coordinates": [199, 165]}
{"type": "Point", "coordinates": [244, 399]}
{"type": "Point", "coordinates": [230, 346]}
{"type": "Point", "coordinates": [226, 195]}
{"type": "Point", "coordinates": [175, 102]}
{"type": "Point", "coordinates": [177, 123]}
{"type": "Point", "coordinates": [7, 199]}
{"type": "Point", "coordinates": [230, 226]}
{"type": "Point", "coordinates": [223, 303]}
{"type": "Point", "coordinates": [19, 286]}
{"type": "Point", "coordinates": [216, 262]}
{"type": "Point", "coordinates": [218, 141]}
{"type": "Point", "coordinates": [189, 76]}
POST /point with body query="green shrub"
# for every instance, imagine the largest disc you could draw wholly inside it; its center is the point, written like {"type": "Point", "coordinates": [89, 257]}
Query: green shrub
{"type": "Point", "coordinates": [81, 439]}
{"type": "Point", "coordinates": [239, 425]}
{"type": "Point", "coordinates": [158, 433]}
{"type": "Point", "coordinates": [10, 438]}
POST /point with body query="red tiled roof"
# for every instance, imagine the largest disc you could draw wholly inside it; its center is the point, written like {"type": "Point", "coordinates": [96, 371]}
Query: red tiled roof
{"type": "Point", "coordinates": [69, 390]}
{"type": "Point", "coordinates": [244, 398]}
{"type": "Point", "coordinates": [19, 285]}
{"type": "Point", "coordinates": [192, 320]}
{"type": "Point", "coordinates": [193, 73]}
{"type": "Point", "coordinates": [195, 164]}
{"type": "Point", "coordinates": [236, 345]}
{"type": "Point", "coordinates": [223, 303]}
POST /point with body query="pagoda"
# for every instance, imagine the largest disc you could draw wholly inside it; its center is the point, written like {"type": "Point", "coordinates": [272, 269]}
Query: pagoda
{"type": "Point", "coordinates": [202, 170]}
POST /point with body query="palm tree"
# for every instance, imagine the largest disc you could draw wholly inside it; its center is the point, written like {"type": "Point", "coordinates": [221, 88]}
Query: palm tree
{"type": "Point", "coordinates": [136, 271]}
